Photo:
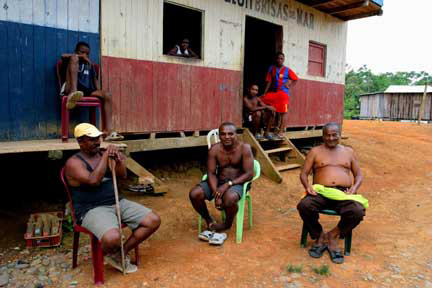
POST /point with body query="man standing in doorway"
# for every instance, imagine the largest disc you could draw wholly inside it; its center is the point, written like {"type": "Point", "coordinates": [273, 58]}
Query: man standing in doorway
{"type": "Point", "coordinates": [280, 79]}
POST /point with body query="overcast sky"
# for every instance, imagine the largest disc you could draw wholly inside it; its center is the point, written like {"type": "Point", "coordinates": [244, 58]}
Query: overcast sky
{"type": "Point", "coordinates": [400, 40]}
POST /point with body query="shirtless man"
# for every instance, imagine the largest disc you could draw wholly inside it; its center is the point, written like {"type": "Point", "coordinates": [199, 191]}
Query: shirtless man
{"type": "Point", "coordinates": [259, 112]}
{"type": "Point", "coordinates": [230, 164]}
{"type": "Point", "coordinates": [332, 165]}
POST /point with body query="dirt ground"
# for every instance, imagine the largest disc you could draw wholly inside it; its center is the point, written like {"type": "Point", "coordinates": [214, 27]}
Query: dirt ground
{"type": "Point", "coordinates": [391, 247]}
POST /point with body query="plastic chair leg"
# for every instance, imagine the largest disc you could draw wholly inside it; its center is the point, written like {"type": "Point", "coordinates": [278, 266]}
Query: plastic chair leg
{"type": "Point", "coordinates": [64, 121]}
{"type": "Point", "coordinates": [223, 216]}
{"type": "Point", "coordinates": [199, 224]}
{"type": "Point", "coordinates": [97, 259]}
{"type": "Point", "coordinates": [240, 220]}
{"type": "Point", "coordinates": [348, 239]}
{"type": "Point", "coordinates": [92, 115]}
{"type": "Point", "coordinates": [75, 249]}
{"type": "Point", "coordinates": [304, 235]}
{"type": "Point", "coordinates": [249, 200]}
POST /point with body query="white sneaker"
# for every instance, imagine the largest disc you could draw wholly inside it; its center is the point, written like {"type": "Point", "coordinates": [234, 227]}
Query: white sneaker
{"type": "Point", "coordinates": [115, 261]}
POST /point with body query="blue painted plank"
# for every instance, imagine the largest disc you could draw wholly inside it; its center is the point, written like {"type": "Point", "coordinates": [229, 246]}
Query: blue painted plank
{"type": "Point", "coordinates": [15, 87]}
{"type": "Point", "coordinates": [28, 113]}
{"type": "Point", "coordinates": [39, 81]}
{"type": "Point", "coordinates": [4, 83]}
{"type": "Point", "coordinates": [28, 86]}
{"type": "Point", "coordinates": [52, 105]}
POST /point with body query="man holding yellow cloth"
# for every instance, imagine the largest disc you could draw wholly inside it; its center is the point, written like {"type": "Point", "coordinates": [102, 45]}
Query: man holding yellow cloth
{"type": "Point", "coordinates": [336, 179]}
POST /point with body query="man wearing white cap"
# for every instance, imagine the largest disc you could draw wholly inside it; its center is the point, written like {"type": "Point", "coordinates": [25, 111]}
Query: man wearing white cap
{"type": "Point", "coordinates": [91, 184]}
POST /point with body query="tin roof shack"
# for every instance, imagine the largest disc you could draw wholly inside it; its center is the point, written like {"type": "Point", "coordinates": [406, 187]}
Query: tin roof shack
{"type": "Point", "coordinates": [236, 42]}
{"type": "Point", "coordinates": [398, 102]}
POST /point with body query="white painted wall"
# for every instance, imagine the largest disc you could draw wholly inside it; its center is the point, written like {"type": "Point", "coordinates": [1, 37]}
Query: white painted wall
{"type": "Point", "coordinates": [133, 29]}
{"type": "Point", "coordinates": [74, 15]}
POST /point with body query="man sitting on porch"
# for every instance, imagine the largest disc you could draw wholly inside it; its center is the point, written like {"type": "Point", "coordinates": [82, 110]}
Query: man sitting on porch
{"type": "Point", "coordinates": [91, 184]}
{"type": "Point", "coordinates": [81, 80]}
{"type": "Point", "coordinates": [230, 164]}
{"type": "Point", "coordinates": [258, 114]}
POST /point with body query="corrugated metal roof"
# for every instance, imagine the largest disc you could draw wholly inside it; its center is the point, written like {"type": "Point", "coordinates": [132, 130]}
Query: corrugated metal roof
{"type": "Point", "coordinates": [407, 89]}
{"type": "Point", "coordinates": [369, 94]}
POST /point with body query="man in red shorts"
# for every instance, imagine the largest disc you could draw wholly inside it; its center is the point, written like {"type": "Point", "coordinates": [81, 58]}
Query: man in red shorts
{"type": "Point", "coordinates": [280, 79]}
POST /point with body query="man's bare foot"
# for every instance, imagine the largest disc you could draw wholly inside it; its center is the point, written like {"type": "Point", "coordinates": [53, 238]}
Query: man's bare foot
{"type": "Point", "coordinates": [333, 238]}
{"type": "Point", "coordinates": [322, 239]}
{"type": "Point", "coordinates": [217, 227]}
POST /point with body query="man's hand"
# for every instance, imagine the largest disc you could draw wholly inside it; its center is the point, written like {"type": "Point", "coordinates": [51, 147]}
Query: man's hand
{"type": "Point", "coordinates": [112, 151]}
{"type": "Point", "coordinates": [271, 108]}
{"type": "Point", "coordinates": [311, 191]}
{"type": "Point", "coordinates": [352, 190]}
{"type": "Point", "coordinates": [221, 190]}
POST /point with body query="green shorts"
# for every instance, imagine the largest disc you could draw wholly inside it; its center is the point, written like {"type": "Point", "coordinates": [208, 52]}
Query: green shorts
{"type": "Point", "coordinates": [103, 218]}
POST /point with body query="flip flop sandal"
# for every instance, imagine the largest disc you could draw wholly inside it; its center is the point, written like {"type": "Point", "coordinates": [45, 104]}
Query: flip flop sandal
{"type": "Point", "coordinates": [336, 256]}
{"type": "Point", "coordinates": [73, 98]}
{"type": "Point", "coordinates": [114, 136]}
{"type": "Point", "coordinates": [218, 238]}
{"type": "Point", "coordinates": [205, 235]}
{"type": "Point", "coordinates": [316, 251]}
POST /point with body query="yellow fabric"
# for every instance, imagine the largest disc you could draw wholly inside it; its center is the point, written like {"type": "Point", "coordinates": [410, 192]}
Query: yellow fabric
{"type": "Point", "coordinates": [336, 194]}
{"type": "Point", "coordinates": [86, 129]}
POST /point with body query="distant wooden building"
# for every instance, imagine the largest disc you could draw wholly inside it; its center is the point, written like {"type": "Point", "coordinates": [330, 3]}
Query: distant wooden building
{"type": "Point", "coordinates": [396, 103]}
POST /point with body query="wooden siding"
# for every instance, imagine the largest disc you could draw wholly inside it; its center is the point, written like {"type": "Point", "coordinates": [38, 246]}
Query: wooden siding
{"type": "Point", "coordinates": [314, 103]}
{"type": "Point", "coordinates": [133, 29]}
{"type": "Point", "coordinates": [33, 35]}
{"type": "Point", "coordinates": [158, 97]}
{"type": "Point", "coordinates": [395, 106]}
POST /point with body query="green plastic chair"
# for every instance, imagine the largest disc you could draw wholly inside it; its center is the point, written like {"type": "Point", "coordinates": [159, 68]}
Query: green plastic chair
{"type": "Point", "coordinates": [241, 205]}
{"type": "Point", "coordinates": [348, 238]}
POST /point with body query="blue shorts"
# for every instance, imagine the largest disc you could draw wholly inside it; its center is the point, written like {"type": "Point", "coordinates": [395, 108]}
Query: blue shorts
{"type": "Point", "coordinates": [209, 195]}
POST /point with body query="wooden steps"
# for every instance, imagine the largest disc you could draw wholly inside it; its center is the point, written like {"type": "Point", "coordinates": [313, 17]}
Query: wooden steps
{"type": "Point", "coordinates": [287, 167]}
{"type": "Point", "coordinates": [274, 156]}
{"type": "Point", "coordinates": [277, 150]}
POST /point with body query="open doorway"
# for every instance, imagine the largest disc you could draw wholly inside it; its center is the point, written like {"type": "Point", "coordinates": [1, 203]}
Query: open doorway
{"type": "Point", "coordinates": [262, 40]}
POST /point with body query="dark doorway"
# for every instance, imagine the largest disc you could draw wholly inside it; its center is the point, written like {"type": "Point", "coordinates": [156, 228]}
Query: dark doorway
{"type": "Point", "coordinates": [262, 40]}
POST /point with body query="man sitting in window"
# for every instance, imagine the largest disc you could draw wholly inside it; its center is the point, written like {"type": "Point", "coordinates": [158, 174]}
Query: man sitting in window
{"type": "Point", "coordinates": [81, 80]}
{"type": "Point", "coordinates": [183, 50]}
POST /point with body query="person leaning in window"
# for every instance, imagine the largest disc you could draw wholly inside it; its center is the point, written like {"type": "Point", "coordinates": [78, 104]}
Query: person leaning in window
{"type": "Point", "coordinates": [183, 50]}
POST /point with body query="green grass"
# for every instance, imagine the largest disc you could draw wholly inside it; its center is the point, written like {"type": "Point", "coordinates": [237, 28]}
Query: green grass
{"type": "Point", "coordinates": [323, 270]}
{"type": "Point", "coordinates": [294, 268]}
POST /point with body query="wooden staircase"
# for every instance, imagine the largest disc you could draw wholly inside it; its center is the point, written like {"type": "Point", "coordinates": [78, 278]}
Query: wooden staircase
{"type": "Point", "coordinates": [274, 156]}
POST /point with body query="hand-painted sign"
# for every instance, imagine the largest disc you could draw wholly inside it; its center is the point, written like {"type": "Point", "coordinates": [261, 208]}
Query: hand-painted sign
{"type": "Point", "coordinates": [277, 9]}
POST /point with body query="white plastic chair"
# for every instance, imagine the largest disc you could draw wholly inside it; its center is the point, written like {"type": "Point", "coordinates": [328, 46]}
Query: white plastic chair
{"type": "Point", "coordinates": [215, 134]}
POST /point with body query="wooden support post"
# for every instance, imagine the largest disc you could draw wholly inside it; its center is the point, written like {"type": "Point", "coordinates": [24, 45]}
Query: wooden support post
{"type": "Point", "coordinates": [153, 135]}
{"type": "Point", "coordinates": [182, 134]}
{"type": "Point", "coordinates": [422, 105]}
{"type": "Point", "coordinates": [196, 133]}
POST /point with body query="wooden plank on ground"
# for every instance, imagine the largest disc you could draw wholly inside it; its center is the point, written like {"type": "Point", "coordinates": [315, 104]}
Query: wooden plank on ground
{"type": "Point", "coordinates": [144, 176]}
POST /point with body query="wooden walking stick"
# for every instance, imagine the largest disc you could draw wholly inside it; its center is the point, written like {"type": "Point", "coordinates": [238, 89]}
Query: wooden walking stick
{"type": "Point", "coordinates": [112, 166]}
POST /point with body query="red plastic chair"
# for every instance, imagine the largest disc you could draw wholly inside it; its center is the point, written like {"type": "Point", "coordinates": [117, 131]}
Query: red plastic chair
{"type": "Point", "coordinates": [96, 248]}
{"type": "Point", "coordinates": [87, 101]}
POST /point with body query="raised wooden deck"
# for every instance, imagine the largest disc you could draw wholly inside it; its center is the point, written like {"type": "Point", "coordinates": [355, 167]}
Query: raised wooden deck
{"type": "Point", "coordinates": [151, 144]}
{"type": "Point", "coordinates": [42, 146]}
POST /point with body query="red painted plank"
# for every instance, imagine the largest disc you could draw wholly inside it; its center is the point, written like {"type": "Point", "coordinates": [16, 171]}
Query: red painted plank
{"type": "Point", "coordinates": [159, 97]}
